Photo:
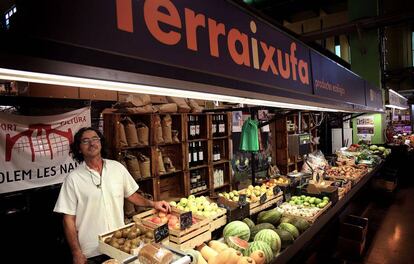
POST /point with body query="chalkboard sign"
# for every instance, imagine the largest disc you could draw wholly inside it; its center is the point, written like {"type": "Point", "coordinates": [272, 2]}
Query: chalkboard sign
{"type": "Point", "coordinates": [263, 198]}
{"type": "Point", "coordinates": [276, 190]}
{"type": "Point", "coordinates": [242, 199]}
{"type": "Point", "coordinates": [160, 233]}
{"type": "Point", "coordinates": [186, 220]}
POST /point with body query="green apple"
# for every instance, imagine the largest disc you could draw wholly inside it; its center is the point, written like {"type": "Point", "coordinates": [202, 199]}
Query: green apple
{"type": "Point", "coordinates": [172, 203]}
{"type": "Point", "coordinates": [183, 202]}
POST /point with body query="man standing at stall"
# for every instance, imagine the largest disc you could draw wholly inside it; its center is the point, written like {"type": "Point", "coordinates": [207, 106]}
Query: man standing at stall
{"type": "Point", "coordinates": [92, 196]}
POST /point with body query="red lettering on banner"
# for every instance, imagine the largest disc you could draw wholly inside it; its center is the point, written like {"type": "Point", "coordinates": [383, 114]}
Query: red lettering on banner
{"type": "Point", "coordinates": [194, 21]}
{"type": "Point", "coordinates": [214, 31]}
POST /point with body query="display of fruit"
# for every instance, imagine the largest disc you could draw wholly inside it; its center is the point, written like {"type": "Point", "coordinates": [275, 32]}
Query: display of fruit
{"type": "Point", "coordinates": [238, 229]}
{"type": "Point", "coordinates": [253, 193]}
{"type": "Point", "coordinates": [304, 206]}
{"type": "Point", "coordinates": [270, 216]}
{"type": "Point", "coordinates": [271, 238]}
{"type": "Point", "coordinates": [290, 228]}
{"type": "Point", "coordinates": [198, 205]}
{"type": "Point", "coordinates": [173, 220]}
{"type": "Point", "coordinates": [260, 245]}
{"type": "Point", "coordinates": [278, 181]}
{"type": "Point", "coordinates": [129, 238]}
{"type": "Point", "coordinates": [257, 228]}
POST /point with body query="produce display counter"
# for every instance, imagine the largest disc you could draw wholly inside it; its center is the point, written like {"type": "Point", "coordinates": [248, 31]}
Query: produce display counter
{"type": "Point", "coordinates": [305, 239]}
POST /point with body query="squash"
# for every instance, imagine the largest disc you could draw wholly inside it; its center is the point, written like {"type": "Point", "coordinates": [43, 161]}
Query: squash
{"type": "Point", "coordinates": [246, 260]}
{"type": "Point", "coordinates": [258, 256]}
{"type": "Point", "coordinates": [217, 245]}
{"type": "Point", "coordinates": [227, 256]}
{"type": "Point", "coordinates": [208, 253]}
{"type": "Point", "coordinates": [200, 259]}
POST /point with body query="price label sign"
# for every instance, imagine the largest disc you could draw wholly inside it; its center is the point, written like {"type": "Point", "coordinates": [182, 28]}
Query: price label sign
{"type": "Point", "coordinates": [161, 233]}
{"type": "Point", "coordinates": [242, 199]}
{"type": "Point", "coordinates": [186, 220]}
{"type": "Point", "coordinates": [263, 198]}
{"type": "Point", "coordinates": [276, 190]}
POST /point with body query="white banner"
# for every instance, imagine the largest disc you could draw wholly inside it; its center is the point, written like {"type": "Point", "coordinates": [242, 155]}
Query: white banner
{"type": "Point", "coordinates": [34, 150]}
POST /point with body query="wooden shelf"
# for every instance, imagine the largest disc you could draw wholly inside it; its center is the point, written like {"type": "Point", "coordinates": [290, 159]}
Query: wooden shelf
{"type": "Point", "coordinates": [201, 192]}
{"type": "Point", "coordinates": [170, 173]}
{"type": "Point", "coordinates": [198, 167]}
{"type": "Point", "coordinates": [220, 162]}
{"type": "Point", "coordinates": [164, 186]}
{"type": "Point", "coordinates": [222, 186]}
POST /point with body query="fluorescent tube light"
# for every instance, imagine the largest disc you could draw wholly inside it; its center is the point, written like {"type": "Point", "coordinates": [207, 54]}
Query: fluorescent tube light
{"type": "Point", "coordinates": [26, 76]}
{"type": "Point", "coordinates": [396, 107]}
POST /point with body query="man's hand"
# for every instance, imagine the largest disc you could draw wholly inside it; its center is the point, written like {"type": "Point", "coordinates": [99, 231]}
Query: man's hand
{"type": "Point", "coordinates": [79, 258]}
{"type": "Point", "coordinates": [163, 206]}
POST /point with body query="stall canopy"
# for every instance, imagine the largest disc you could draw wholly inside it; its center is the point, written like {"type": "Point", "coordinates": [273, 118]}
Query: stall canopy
{"type": "Point", "coordinates": [189, 48]}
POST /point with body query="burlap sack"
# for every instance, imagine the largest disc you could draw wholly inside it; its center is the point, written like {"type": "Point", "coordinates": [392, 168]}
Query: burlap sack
{"type": "Point", "coordinates": [166, 129]}
{"type": "Point", "coordinates": [130, 132]}
{"type": "Point", "coordinates": [181, 104]}
{"type": "Point", "coordinates": [195, 108]}
{"type": "Point", "coordinates": [133, 166]}
{"type": "Point", "coordinates": [157, 134]}
{"type": "Point", "coordinates": [144, 165]}
{"type": "Point", "coordinates": [129, 208]}
{"type": "Point", "coordinates": [121, 136]}
{"type": "Point", "coordinates": [139, 99]}
{"type": "Point", "coordinates": [143, 134]}
{"type": "Point", "coordinates": [147, 109]}
{"type": "Point", "coordinates": [167, 108]}
{"type": "Point", "coordinates": [175, 138]}
{"type": "Point", "coordinates": [160, 162]}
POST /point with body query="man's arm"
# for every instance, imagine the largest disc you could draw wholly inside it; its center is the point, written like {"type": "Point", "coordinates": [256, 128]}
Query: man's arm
{"type": "Point", "coordinates": [137, 199]}
{"type": "Point", "coordinates": [69, 226]}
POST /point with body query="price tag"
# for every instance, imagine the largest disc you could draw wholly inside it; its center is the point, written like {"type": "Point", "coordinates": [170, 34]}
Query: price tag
{"type": "Point", "coordinates": [263, 198]}
{"type": "Point", "coordinates": [186, 220]}
{"type": "Point", "coordinates": [276, 190]}
{"type": "Point", "coordinates": [160, 233]}
{"type": "Point", "coordinates": [242, 199]}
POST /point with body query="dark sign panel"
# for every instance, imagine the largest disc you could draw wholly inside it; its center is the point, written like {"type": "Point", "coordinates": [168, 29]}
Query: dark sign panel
{"type": "Point", "coordinates": [336, 82]}
{"type": "Point", "coordinates": [373, 97]}
{"type": "Point", "coordinates": [211, 36]}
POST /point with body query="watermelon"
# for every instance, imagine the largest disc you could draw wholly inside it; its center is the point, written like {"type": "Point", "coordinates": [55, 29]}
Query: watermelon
{"type": "Point", "coordinates": [290, 228]}
{"type": "Point", "coordinates": [271, 238]}
{"type": "Point", "coordinates": [300, 223]}
{"type": "Point", "coordinates": [249, 222]}
{"type": "Point", "coordinates": [238, 229]}
{"type": "Point", "coordinates": [259, 227]}
{"type": "Point", "coordinates": [286, 238]}
{"type": "Point", "coordinates": [237, 243]}
{"type": "Point", "coordinates": [286, 219]}
{"type": "Point", "coordinates": [271, 216]}
{"type": "Point", "coordinates": [260, 245]}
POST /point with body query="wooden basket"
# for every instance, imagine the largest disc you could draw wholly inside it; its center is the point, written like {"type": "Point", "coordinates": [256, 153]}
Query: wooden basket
{"type": "Point", "coordinates": [272, 200]}
{"type": "Point", "coordinates": [188, 238]}
{"type": "Point", "coordinates": [117, 253]}
{"type": "Point", "coordinates": [218, 220]}
{"type": "Point", "coordinates": [313, 218]}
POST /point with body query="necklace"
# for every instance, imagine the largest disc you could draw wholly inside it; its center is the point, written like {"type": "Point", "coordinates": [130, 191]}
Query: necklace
{"type": "Point", "coordinates": [100, 181]}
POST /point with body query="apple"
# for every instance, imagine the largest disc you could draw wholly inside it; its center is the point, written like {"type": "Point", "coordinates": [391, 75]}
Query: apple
{"type": "Point", "coordinates": [156, 220]}
{"type": "Point", "coordinates": [162, 214]}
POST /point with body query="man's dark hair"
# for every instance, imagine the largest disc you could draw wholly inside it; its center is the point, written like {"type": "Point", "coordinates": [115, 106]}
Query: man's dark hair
{"type": "Point", "coordinates": [75, 146]}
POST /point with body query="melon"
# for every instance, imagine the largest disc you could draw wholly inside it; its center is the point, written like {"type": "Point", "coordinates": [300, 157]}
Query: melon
{"type": "Point", "coordinates": [259, 227]}
{"type": "Point", "coordinates": [300, 223]}
{"type": "Point", "coordinates": [260, 245]}
{"type": "Point", "coordinates": [249, 222]}
{"type": "Point", "coordinates": [238, 229]}
{"type": "Point", "coordinates": [290, 228]}
{"type": "Point", "coordinates": [271, 238]}
{"type": "Point", "coordinates": [237, 243]}
{"type": "Point", "coordinates": [286, 238]}
{"type": "Point", "coordinates": [271, 216]}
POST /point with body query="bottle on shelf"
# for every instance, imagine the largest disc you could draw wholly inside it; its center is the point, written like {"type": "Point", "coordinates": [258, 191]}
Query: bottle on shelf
{"type": "Point", "coordinates": [195, 154]}
{"type": "Point", "coordinates": [197, 127]}
{"type": "Point", "coordinates": [216, 153]}
{"type": "Point", "coordinates": [222, 126]}
{"type": "Point", "coordinates": [200, 153]}
{"type": "Point", "coordinates": [218, 177]}
{"type": "Point", "coordinates": [190, 155]}
{"type": "Point", "coordinates": [214, 126]}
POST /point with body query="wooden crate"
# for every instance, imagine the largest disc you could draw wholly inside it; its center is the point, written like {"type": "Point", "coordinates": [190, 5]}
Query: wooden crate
{"type": "Point", "coordinates": [189, 238]}
{"type": "Point", "coordinates": [257, 206]}
{"type": "Point", "coordinates": [218, 220]}
{"type": "Point", "coordinates": [313, 218]}
{"type": "Point", "coordinates": [117, 253]}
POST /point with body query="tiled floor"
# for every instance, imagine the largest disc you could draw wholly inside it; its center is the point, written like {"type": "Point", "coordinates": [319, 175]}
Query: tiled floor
{"type": "Point", "coordinates": [391, 225]}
